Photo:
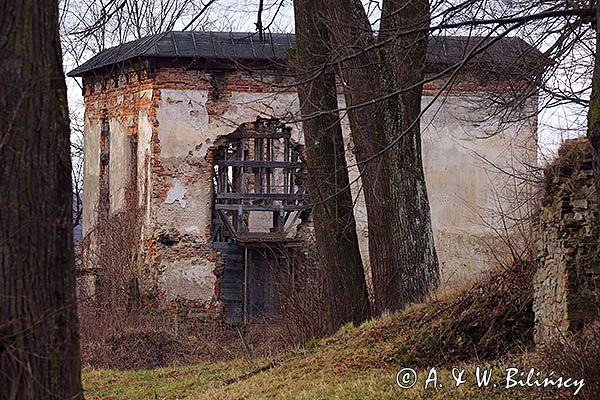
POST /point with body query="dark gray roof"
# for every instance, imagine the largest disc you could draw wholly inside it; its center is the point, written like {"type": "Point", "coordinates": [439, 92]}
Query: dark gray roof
{"type": "Point", "coordinates": [443, 50]}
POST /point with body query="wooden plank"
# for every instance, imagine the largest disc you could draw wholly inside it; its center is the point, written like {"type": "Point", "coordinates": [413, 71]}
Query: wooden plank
{"type": "Point", "coordinates": [260, 196]}
{"type": "Point", "coordinates": [227, 222]}
{"type": "Point", "coordinates": [259, 164]}
{"type": "Point", "coordinates": [260, 134]}
{"type": "Point", "coordinates": [257, 207]}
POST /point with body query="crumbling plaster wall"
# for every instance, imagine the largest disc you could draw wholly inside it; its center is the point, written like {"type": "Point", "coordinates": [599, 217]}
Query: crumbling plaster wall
{"type": "Point", "coordinates": [180, 115]}
{"type": "Point", "coordinates": [465, 184]}
{"type": "Point", "coordinates": [126, 103]}
{"type": "Point", "coordinates": [120, 160]}
{"type": "Point", "coordinates": [91, 171]}
{"type": "Point", "coordinates": [192, 112]}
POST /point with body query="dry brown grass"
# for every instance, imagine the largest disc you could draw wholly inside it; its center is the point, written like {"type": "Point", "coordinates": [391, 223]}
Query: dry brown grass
{"type": "Point", "coordinates": [148, 341]}
{"type": "Point", "coordinates": [576, 356]}
{"type": "Point", "coordinates": [490, 321]}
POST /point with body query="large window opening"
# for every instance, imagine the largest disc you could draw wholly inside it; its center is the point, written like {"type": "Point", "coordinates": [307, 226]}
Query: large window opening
{"type": "Point", "coordinates": [259, 192]}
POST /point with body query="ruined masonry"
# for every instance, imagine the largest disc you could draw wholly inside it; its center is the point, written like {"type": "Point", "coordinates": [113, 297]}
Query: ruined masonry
{"type": "Point", "coordinates": [567, 282]}
{"type": "Point", "coordinates": [194, 173]}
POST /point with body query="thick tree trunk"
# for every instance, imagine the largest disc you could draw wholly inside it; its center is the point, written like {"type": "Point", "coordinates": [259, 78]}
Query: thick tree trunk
{"type": "Point", "coordinates": [594, 110]}
{"type": "Point", "coordinates": [335, 226]}
{"type": "Point", "coordinates": [403, 260]}
{"type": "Point", "coordinates": [404, 60]}
{"type": "Point", "coordinates": [39, 345]}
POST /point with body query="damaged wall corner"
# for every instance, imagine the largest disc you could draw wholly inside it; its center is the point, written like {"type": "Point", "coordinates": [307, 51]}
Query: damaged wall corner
{"type": "Point", "coordinates": [567, 281]}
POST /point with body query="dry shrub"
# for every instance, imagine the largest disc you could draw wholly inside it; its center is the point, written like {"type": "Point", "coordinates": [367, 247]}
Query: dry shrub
{"type": "Point", "coordinates": [305, 307]}
{"type": "Point", "coordinates": [147, 341]}
{"type": "Point", "coordinates": [111, 341]}
{"type": "Point", "coordinates": [575, 356]}
{"type": "Point", "coordinates": [489, 321]}
{"type": "Point", "coordinates": [111, 251]}
{"type": "Point", "coordinates": [109, 301]}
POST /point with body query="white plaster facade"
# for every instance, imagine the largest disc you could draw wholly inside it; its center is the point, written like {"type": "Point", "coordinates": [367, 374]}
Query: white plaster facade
{"type": "Point", "coordinates": [465, 185]}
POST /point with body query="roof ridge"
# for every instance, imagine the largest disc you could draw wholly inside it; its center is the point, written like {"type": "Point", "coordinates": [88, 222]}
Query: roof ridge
{"type": "Point", "coordinates": [244, 46]}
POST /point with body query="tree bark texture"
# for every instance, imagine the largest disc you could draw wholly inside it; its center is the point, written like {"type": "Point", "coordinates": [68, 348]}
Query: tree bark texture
{"type": "Point", "coordinates": [39, 345]}
{"type": "Point", "coordinates": [335, 226]}
{"type": "Point", "coordinates": [383, 91]}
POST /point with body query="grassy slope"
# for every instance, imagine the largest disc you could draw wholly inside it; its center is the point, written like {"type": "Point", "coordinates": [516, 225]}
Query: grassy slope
{"type": "Point", "coordinates": [356, 363]}
{"type": "Point", "coordinates": [333, 369]}
{"type": "Point", "coordinates": [483, 323]}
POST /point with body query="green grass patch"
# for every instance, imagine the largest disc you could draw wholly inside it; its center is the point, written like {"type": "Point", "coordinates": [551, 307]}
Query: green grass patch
{"type": "Point", "coordinates": [485, 323]}
{"type": "Point", "coordinates": [294, 380]}
{"type": "Point", "coordinates": [164, 383]}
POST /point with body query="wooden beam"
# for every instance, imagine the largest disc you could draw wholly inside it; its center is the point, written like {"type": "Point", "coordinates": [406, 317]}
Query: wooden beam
{"type": "Point", "coordinates": [248, 207]}
{"type": "Point", "coordinates": [258, 164]}
{"type": "Point", "coordinates": [259, 196]}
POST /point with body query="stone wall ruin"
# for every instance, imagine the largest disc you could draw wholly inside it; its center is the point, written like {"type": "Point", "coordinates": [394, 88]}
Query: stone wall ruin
{"type": "Point", "coordinates": [567, 282]}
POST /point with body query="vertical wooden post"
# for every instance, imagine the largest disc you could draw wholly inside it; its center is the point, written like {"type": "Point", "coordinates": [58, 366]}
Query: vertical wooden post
{"type": "Point", "coordinates": [245, 285]}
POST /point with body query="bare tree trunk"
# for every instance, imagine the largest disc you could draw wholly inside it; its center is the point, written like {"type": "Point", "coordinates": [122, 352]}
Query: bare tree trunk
{"type": "Point", "coordinates": [594, 109]}
{"type": "Point", "coordinates": [404, 62]}
{"type": "Point", "coordinates": [335, 226]}
{"type": "Point", "coordinates": [403, 260]}
{"type": "Point", "coordinates": [39, 345]}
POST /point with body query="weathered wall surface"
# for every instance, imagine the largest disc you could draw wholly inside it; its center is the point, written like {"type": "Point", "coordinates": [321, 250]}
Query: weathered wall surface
{"type": "Point", "coordinates": [91, 172]}
{"type": "Point", "coordinates": [180, 114]}
{"type": "Point", "coordinates": [193, 110]}
{"type": "Point", "coordinates": [126, 105]}
{"type": "Point", "coordinates": [474, 171]}
{"type": "Point", "coordinates": [115, 189]}
{"type": "Point", "coordinates": [567, 282]}
{"type": "Point", "coordinates": [474, 167]}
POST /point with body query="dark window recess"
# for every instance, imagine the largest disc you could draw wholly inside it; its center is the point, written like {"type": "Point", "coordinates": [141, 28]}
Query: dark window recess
{"type": "Point", "coordinates": [104, 168]}
{"type": "Point", "coordinates": [259, 197]}
{"type": "Point", "coordinates": [167, 240]}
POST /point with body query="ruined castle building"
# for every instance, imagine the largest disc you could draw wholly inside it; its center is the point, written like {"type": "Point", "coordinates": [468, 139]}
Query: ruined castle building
{"type": "Point", "coordinates": [193, 164]}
